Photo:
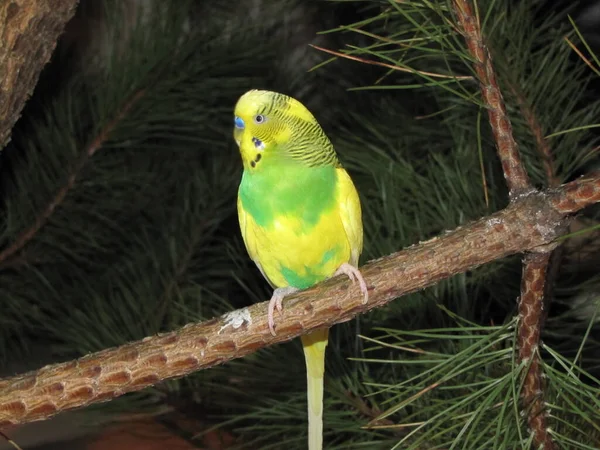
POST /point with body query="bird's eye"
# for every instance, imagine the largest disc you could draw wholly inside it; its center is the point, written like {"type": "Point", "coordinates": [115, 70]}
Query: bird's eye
{"type": "Point", "coordinates": [239, 123]}
{"type": "Point", "coordinates": [259, 118]}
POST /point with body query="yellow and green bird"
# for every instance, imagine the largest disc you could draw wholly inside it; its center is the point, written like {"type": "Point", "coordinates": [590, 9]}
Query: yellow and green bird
{"type": "Point", "coordinates": [299, 214]}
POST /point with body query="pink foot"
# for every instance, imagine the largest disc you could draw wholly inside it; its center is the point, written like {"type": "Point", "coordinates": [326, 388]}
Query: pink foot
{"type": "Point", "coordinates": [275, 303]}
{"type": "Point", "coordinates": [354, 274]}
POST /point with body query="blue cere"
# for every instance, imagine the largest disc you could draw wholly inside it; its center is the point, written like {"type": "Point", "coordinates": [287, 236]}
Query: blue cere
{"type": "Point", "coordinates": [239, 123]}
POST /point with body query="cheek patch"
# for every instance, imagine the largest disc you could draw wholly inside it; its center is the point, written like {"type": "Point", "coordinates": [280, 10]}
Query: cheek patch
{"type": "Point", "coordinates": [258, 143]}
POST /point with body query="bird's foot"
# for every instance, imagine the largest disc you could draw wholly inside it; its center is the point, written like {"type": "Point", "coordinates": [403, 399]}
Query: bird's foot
{"type": "Point", "coordinates": [276, 304]}
{"type": "Point", "coordinates": [354, 274]}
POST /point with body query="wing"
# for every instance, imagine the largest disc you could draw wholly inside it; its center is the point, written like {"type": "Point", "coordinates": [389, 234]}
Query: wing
{"type": "Point", "coordinates": [351, 214]}
{"type": "Point", "coordinates": [246, 235]}
{"type": "Point", "coordinates": [249, 237]}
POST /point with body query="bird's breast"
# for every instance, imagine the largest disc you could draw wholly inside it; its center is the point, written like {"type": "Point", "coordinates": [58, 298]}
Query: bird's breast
{"type": "Point", "coordinates": [292, 226]}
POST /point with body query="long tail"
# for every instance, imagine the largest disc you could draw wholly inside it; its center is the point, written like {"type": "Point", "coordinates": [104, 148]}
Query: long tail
{"type": "Point", "coordinates": [314, 353]}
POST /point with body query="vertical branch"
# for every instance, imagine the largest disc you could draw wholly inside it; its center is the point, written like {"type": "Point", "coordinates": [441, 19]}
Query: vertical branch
{"type": "Point", "coordinates": [543, 148]}
{"type": "Point", "coordinates": [535, 266]}
{"type": "Point", "coordinates": [508, 150]}
{"type": "Point", "coordinates": [531, 321]}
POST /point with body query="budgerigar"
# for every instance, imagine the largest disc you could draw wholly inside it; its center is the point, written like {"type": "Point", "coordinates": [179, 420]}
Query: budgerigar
{"type": "Point", "coordinates": [299, 215]}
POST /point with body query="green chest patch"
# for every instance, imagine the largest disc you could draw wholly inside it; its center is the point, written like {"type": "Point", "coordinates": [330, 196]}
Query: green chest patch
{"type": "Point", "coordinates": [302, 192]}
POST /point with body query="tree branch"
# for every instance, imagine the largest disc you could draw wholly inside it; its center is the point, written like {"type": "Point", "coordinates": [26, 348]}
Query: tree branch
{"type": "Point", "coordinates": [535, 287]}
{"type": "Point", "coordinates": [508, 150]}
{"type": "Point", "coordinates": [531, 323]}
{"type": "Point", "coordinates": [540, 271]}
{"type": "Point", "coordinates": [29, 30]}
{"type": "Point", "coordinates": [527, 223]}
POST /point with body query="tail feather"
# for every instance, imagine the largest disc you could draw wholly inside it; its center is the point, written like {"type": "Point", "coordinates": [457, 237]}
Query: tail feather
{"type": "Point", "coordinates": [314, 345]}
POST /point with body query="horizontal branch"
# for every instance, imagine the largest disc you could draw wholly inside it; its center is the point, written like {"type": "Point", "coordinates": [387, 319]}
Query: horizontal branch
{"type": "Point", "coordinates": [528, 223]}
{"type": "Point", "coordinates": [574, 196]}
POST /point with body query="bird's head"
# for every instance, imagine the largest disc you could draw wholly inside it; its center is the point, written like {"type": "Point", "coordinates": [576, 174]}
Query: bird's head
{"type": "Point", "coordinates": [275, 127]}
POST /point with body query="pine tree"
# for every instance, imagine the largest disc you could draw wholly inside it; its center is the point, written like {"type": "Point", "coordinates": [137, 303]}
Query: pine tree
{"type": "Point", "coordinates": [119, 189]}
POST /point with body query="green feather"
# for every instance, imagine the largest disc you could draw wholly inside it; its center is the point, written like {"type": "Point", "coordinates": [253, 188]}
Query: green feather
{"type": "Point", "coordinates": [297, 190]}
{"type": "Point", "coordinates": [311, 276]}
{"type": "Point", "coordinates": [306, 280]}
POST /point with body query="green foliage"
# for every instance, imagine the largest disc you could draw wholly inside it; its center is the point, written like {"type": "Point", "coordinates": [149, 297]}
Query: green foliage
{"type": "Point", "coordinates": [125, 173]}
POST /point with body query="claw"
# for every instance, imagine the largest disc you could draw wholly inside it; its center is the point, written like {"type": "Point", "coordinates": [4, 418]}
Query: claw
{"type": "Point", "coordinates": [354, 274]}
{"type": "Point", "coordinates": [276, 303]}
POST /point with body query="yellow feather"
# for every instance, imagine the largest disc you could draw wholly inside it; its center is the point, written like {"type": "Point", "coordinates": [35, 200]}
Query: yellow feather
{"type": "Point", "coordinates": [350, 214]}
{"type": "Point", "coordinates": [314, 345]}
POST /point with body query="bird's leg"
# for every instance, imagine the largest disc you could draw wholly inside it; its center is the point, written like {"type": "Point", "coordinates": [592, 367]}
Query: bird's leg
{"type": "Point", "coordinates": [354, 274]}
{"type": "Point", "coordinates": [275, 303]}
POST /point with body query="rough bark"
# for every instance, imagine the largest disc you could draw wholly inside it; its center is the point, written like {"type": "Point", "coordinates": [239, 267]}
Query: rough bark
{"type": "Point", "coordinates": [530, 328]}
{"type": "Point", "coordinates": [508, 151]}
{"type": "Point", "coordinates": [29, 30]}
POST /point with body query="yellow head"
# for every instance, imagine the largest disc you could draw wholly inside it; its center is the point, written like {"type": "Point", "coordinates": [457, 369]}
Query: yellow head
{"type": "Point", "coordinates": [273, 126]}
